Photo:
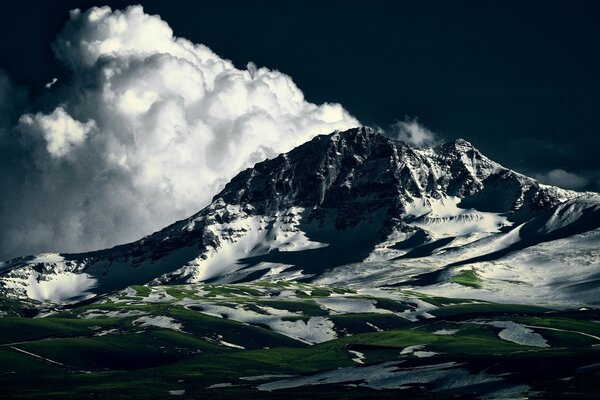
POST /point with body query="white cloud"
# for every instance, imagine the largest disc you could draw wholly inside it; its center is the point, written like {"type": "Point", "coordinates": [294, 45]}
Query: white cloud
{"type": "Point", "coordinates": [51, 83]}
{"type": "Point", "coordinates": [144, 131]}
{"type": "Point", "coordinates": [60, 131]}
{"type": "Point", "coordinates": [135, 101]}
{"type": "Point", "coordinates": [413, 133]}
{"type": "Point", "coordinates": [564, 179]}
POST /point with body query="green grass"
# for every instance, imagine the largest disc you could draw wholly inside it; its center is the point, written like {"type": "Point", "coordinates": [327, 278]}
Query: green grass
{"type": "Point", "coordinates": [12, 361]}
{"type": "Point", "coordinates": [15, 329]}
{"type": "Point", "coordinates": [142, 291]}
{"type": "Point", "coordinates": [467, 277]}
{"type": "Point", "coordinates": [139, 363]}
{"type": "Point", "coordinates": [392, 305]}
{"type": "Point", "coordinates": [315, 292]}
{"type": "Point", "coordinates": [122, 351]}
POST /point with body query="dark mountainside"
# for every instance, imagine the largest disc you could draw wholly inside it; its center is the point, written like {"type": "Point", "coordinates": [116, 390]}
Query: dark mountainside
{"type": "Point", "coordinates": [351, 192]}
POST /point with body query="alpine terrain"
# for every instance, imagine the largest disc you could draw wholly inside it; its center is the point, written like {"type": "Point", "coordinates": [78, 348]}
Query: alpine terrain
{"type": "Point", "coordinates": [354, 266]}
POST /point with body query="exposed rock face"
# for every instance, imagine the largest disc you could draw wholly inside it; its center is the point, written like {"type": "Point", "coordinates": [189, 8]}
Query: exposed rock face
{"type": "Point", "coordinates": [359, 170]}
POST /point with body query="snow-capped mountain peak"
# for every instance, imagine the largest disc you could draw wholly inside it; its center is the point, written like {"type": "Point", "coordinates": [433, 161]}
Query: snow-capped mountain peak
{"type": "Point", "coordinates": [348, 198]}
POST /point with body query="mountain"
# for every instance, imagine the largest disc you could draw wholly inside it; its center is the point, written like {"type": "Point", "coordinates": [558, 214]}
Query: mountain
{"type": "Point", "coordinates": [357, 208]}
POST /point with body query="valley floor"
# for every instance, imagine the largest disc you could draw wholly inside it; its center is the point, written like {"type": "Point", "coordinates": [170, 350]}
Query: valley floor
{"type": "Point", "coordinates": [292, 340]}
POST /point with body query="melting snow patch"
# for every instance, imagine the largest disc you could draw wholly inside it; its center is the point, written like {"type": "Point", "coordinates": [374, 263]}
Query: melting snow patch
{"type": "Point", "coordinates": [445, 332]}
{"type": "Point", "coordinates": [343, 305]}
{"type": "Point", "coordinates": [124, 296]}
{"type": "Point", "coordinates": [159, 322]}
{"type": "Point", "coordinates": [106, 332]}
{"type": "Point", "coordinates": [129, 292]}
{"type": "Point", "coordinates": [90, 314]}
{"type": "Point", "coordinates": [378, 329]}
{"type": "Point", "coordinates": [233, 346]}
{"type": "Point", "coordinates": [360, 357]}
{"type": "Point", "coordinates": [314, 330]}
{"type": "Point", "coordinates": [159, 296]}
{"type": "Point", "coordinates": [424, 354]}
{"type": "Point", "coordinates": [220, 385]}
{"type": "Point", "coordinates": [519, 392]}
{"type": "Point", "coordinates": [413, 315]}
{"type": "Point", "coordinates": [264, 377]}
{"type": "Point", "coordinates": [443, 218]}
{"type": "Point", "coordinates": [179, 392]}
{"type": "Point", "coordinates": [218, 339]}
{"type": "Point", "coordinates": [417, 351]}
{"type": "Point", "coordinates": [517, 333]}
{"type": "Point", "coordinates": [389, 376]}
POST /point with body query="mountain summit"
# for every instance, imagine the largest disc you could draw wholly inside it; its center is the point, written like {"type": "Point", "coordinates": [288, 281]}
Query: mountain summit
{"type": "Point", "coordinates": [359, 208]}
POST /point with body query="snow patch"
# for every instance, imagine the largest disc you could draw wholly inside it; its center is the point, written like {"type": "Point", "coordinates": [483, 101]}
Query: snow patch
{"type": "Point", "coordinates": [247, 236]}
{"type": "Point", "coordinates": [359, 357]}
{"type": "Point", "coordinates": [417, 351]}
{"type": "Point", "coordinates": [313, 330]}
{"type": "Point", "coordinates": [445, 332]}
{"type": "Point", "coordinates": [443, 218]}
{"type": "Point", "coordinates": [159, 296]}
{"type": "Point", "coordinates": [91, 314]}
{"type": "Point", "coordinates": [345, 305]}
{"type": "Point", "coordinates": [264, 377]}
{"type": "Point", "coordinates": [517, 333]}
{"type": "Point", "coordinates": [389, 376]}
{"type": "Point", "coordinates": [220, 385]}
{"type": "Point", "coordinates": [60, 287]}
{"type": "Point", "coordinates": [160, 321]}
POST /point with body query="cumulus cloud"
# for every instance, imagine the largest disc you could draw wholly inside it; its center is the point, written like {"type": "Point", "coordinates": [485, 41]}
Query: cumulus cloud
{"type": "Point", "coordinates": [143, 131]}
{"type": "Point", "coordinates": [413, 133]}
{"type": "Point", "coordinates": [60, 131]}
{"type": "Point", "coordinates": [563, 179]}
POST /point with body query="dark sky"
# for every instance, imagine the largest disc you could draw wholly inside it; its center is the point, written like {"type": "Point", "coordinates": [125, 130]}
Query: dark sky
{"type": "Point", "coordinates": [518, 79]}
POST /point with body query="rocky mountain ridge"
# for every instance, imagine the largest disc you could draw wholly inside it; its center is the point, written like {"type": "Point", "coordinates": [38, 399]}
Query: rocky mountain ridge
{"type": "Point", "coordinates": [337, 200]}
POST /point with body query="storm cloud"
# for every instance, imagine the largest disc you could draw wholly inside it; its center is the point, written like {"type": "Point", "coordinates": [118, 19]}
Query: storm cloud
{"type": "Point", "coordinates": [143, 130]}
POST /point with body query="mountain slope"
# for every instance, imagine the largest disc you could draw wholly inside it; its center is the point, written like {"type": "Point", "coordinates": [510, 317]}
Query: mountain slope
{"type": "Point", "coordinates": [348, 203]}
